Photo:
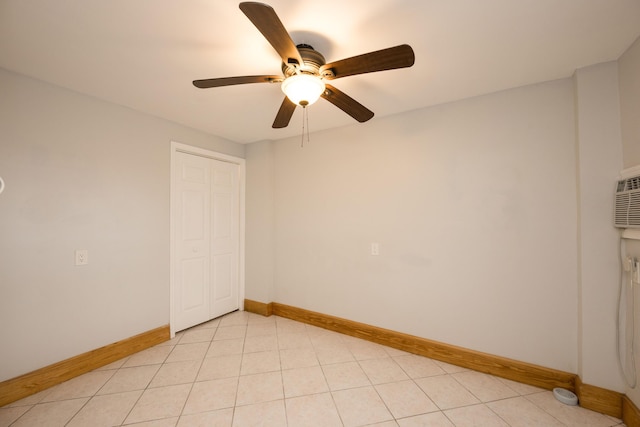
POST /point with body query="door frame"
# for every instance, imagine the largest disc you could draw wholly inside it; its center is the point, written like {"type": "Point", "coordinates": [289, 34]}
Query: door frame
{"type": "Point", "coordinates": [177, 147]}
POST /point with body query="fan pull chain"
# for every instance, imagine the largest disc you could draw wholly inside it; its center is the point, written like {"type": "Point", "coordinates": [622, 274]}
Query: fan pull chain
{"type": "Point", "coordinates": [305, 119]}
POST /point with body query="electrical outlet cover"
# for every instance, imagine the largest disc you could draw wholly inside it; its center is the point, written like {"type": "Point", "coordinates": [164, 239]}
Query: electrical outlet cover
{"type": "Point", "coordinates": [82, 257]}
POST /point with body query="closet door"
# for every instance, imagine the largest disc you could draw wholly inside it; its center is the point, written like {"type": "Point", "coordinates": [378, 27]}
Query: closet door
{"type": "Point", "coordinates": [225, 239]}
{"type": "Point", "coordinates": [192, 240]}
{"type": "Point", "coordinates": [206, 226]}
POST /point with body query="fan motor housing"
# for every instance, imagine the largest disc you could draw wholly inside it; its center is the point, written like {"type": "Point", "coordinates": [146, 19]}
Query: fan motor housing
{"type": "Point", "coordinates": [313, 60]}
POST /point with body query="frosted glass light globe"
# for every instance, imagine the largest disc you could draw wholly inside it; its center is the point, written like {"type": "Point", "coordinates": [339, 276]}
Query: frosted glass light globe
{"type": "Point", "coordinates": [303, 89]}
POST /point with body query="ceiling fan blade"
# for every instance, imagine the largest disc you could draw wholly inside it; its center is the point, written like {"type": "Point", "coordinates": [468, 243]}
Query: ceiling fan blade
{"type": "Point", "coordinates": [386, 59]}
{"type": "Point", "coordinates": [284, 114]}
{"type": "Point", "coordinates": [267, 22]}
{"type": "Point", "coordinates": [229, 81]}
{"type": "Point", "coordinates": [347, 104]}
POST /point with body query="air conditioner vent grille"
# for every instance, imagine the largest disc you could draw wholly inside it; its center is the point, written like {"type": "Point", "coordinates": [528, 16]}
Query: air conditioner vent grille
{"type": "Point", "coordinates": [634, 209]}
{"type": "Point", "coordinates": [627, 203]}
{"type": "Point", "coordinates": [633, 183]}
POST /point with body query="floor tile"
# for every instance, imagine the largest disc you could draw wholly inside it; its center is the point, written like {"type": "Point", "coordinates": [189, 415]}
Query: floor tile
{"type": "Point", "coordinates": [298, 358]}
{"type": "Point", "coordinates": [211, 395]}
{"type": "Point", "coordinates": [260, 343]}
{"type": "Point", "coordinates": [520, 412]}
{"type": "Point", "coordinates": [9, 414]}
{"type": "Point", "coordinates": [115, 365]}
{"type": "Point", "coordinates": [363, 350]}
{"type": "Point", "coordinates": [164, 422]}
{"type": "Point", "coordinates": [317, 410]}
{"type": "Point", "coordinates": [151, 356]}
{"type": "Point", "coordinates": [323, 338]}
{"type": "Point", "coordinates": [405, 399]}
{"type": "Point", "coordinates": [380, 371]}
{"type": "Point", "coordinates": [570, 415]}
{"type": "Point", "coordinates": [255, 319]}
{"type": "Point", "coordinates": [449, 368]}
{"type": "Point", "coordinates": [183, 352]}
{"type": "Point", "coordinates": [294, 340]}
{"type": "Point", "coordinates": [173, 341]}
{"type": "Point", "coordinates": [226, 347]}
{"type": "Point", "coordinates": [361, 406]}
{"type": "Point", "coordinates": [50, 413]}
{"type": "Point", "coordinates": [394, 352]}
{"type": "Point", "coordinates": [418, 367]}
{"type": "Point", "coordinates": [304, 381]}
{"type": "Point", "coordinates": [208, 325]}
{"type": "Point", "coordinates": [259, 388]}
{"type": "Point", "coordinates": [435, 419]}
{"type": "Point", "coordinates": [261, 329]}
{"type": "Point", "coordinates": [345, 375]}
{"type": "Point", "coordinates": [473, 416]}
{"type": "Point", "coordinates": [220, 418]}
{"type": "Point", "coordinates": [520, 388]}
{"type": "Point", "coordinates": [158, 403]}
{"type": "Point", "coordinates": [483, 386]}
{"type": "Point", "coordinates": [105, 411]}
{"type": "Point", "coordinates": [265, 414]}
{"type": "Point", "coordinates": [130, 379]}
{"type": "Point", "coordinates": [220, 367]}
{"type": "Point", "coordinates": [230, 332]}
{"type": "Point", "coordinates": [176, 373]}
{"type": "Point", "coordinates": [245, 369]}
{"type": "Point", "coordinates": [83, 386]}
{"type": "Point", "coordinates": [287, 326]}
{"type": "Point", "coordinates": [31, 400]}
{"type": "Point", "coordinates": [198, 335]}
{"type": "Point", "coordinates": [446, 392]}
{"type": "Point", "coordinates": [237, 318]}
{"type": "Point", "coordinates": [332, 355]}
{"type": "Point", "coordinates": [256, 363]}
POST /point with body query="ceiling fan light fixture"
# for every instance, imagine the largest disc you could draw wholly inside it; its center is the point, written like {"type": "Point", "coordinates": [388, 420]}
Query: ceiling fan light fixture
{"type": "Point", "coordinates": [303, 89]}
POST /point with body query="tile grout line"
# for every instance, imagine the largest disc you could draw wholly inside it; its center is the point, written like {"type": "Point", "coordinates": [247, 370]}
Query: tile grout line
{"type": "Point", "coordinates": [195, 379]}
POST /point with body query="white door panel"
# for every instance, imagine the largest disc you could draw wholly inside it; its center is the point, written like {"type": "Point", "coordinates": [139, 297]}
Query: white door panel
{"type": "Point", "coordinates": [225, 238]}
{"type": "Point", "coordinates": [192, 241]}
{"type": "Point", "coordinates": [206, 241]}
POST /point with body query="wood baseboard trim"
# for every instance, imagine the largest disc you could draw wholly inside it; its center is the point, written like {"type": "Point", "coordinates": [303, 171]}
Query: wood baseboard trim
{"type": "Point", "coordinates": [502, 367]}
{"type": "Point", "coordinates": [264, 309]}
{"type": "Point", "coordinates": [630, 413]}
{"type": "Point", "coordinates": [591, 397]}
{"type": "Point", "coordinates": [43, 378]}
{"type": "Point", "coordinates": [599, 399]}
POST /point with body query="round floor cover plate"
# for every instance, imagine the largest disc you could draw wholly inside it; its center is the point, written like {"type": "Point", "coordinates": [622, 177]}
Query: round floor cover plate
{"type": "Point", "coordinates": [565, 396]}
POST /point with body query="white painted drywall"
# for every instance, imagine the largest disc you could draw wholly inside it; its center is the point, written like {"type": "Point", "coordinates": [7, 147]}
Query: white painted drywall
{"type": "Point", "coordinates": [629, 64]}
{"type": "Point", "coordinates": [629, 71]}
{"type": "Point", "coordinates": [473, 205]}
{"type": "Point", "coordinates": [599, 151]}
{"type": "Point", "coordinates": [260, 223]}
{"type": "Point", "coordinates": [81, 174]}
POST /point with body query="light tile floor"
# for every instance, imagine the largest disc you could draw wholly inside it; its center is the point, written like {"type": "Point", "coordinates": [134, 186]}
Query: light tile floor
{"type": "Point", "coordinates": [247, 370]}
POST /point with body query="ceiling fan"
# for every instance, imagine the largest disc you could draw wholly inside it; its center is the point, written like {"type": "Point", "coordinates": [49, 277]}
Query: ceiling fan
{"type": "Point", "coordinates": [305, 72]}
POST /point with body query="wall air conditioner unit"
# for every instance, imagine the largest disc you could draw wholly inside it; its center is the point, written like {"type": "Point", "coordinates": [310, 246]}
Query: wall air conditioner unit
{"type": "Point", "coordinates": [627, 206]}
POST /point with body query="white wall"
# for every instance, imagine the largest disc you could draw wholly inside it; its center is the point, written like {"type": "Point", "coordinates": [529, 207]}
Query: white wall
{"type": "Point", "coordinates": [473, 204]}
{"type": "Point", "coordinates": [599, 153]}
{"type": "Point", "coordinates": [260, 222]}
{"type": "Point", "coordinates": [81, 174]}
{"type": "Point", "coordinates": [630, 104]}
{"type": "Point", "coordinates": [629, 71]}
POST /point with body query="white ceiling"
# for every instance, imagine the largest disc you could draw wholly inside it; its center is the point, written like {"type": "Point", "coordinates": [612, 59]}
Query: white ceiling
{"type": "Point", "coordinates": [143, 54]}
